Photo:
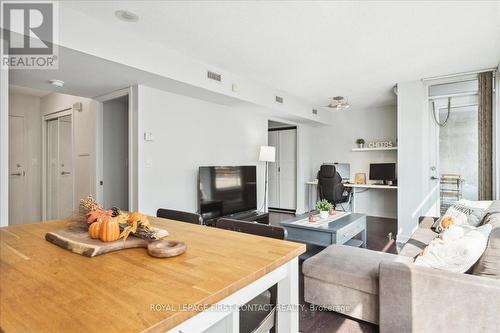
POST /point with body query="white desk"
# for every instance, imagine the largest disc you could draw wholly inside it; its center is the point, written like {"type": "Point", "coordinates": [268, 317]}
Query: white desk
{"type": "Point", "coordinates": [311, 190]}
{"type": "Point", "coordinates": [365, 187]}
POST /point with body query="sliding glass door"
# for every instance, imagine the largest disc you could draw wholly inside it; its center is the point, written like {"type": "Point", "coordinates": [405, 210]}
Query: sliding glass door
{"type": "Point", "coordinates": [455, 111]}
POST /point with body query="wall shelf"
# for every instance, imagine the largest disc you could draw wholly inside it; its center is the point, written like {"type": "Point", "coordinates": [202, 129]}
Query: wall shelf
{"type": "Point", "coordinates": [374, 149]}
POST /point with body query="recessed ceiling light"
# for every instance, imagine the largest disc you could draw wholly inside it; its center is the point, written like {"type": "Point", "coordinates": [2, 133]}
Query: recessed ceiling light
{"type": "Point", "coordinates": [126, 16]}
{"type": "Point", "coordinates": [57, 83]}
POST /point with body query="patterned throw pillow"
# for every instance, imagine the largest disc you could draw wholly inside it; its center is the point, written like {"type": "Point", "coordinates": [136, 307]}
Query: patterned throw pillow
{"type": "Point", "coordinates": [463, 212]}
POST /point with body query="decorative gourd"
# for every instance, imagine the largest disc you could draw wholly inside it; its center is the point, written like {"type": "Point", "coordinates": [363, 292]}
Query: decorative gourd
{"type": "Point", "coordinates": [109, 230]}
{"type": "Point", "coordinates": [94, 229]}
{"type": "Point", "coordinates": [137, 217]}
{"type": "Point", "coordinates": [135, 220]}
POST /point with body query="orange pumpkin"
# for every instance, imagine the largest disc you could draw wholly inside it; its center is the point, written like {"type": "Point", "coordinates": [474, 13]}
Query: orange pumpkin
{"type": "Point", "coordinates": [109, 230]}
{"type": "Point", "coordinates": [94, 229]}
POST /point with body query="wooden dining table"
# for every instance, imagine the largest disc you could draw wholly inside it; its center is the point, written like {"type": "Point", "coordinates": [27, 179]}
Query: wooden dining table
{"type": "Point", "coordinates": [45, 288]}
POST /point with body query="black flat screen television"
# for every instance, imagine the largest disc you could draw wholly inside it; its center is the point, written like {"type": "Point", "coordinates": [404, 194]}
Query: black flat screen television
{"type": "Point", "coordinates": [226, 190]}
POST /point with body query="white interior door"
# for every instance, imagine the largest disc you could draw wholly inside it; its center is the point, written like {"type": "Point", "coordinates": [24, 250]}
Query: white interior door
{"type": "Point", "coordinates": [65, 191]}
{"type": "Point", "coordinates": [17, 171]}
{"type": "Point", "coordinates": [273, 182]}
{"type": "Point", "coordinates": [287, 169]}
{"type": "Point", "coordinates": [60, 175]}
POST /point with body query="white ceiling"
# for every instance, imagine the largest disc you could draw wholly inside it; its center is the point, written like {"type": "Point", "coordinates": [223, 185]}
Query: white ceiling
{"type": "Point", "coordinates": [89, 76]}
{"type": "Point", "coordinates": [83, 75]}
{"type": "Point", "coordinates": [318, 49]}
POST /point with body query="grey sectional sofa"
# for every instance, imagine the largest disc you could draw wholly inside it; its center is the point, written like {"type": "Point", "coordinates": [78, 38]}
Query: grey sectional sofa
{"type": "Point", "coordinates": [391, 291]}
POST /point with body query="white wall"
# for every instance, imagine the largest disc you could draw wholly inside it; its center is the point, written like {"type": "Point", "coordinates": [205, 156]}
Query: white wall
{"type": "Point", "coordinates": [418, 195]}
{"type": "Point", "coordinates": [85, 135]}
{"type": "Point", "coordinates": [29, 107]}
{"type": "Point", "coordinates": [189, 133]}
{"type": "Point", "coordinates": [305, 135]}
{"type": "Point", "coordinates": [4, 147]}
{"type": "Point", "coordinates": [334, 143]}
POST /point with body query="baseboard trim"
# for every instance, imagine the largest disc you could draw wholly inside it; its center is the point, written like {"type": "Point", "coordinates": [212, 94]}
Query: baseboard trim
{"type": "Point", "coordinates": [402, 239]}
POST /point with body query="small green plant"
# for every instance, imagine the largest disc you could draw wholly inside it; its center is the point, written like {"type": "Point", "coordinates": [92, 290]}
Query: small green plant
{"type": "Point", "coordinates": [324, 205]}
{"type": "Point", "coordinates": [360, 141]}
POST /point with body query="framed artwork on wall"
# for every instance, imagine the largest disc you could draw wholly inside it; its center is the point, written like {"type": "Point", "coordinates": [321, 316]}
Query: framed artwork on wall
{"type": "Point", "coordinates": [360, 178]}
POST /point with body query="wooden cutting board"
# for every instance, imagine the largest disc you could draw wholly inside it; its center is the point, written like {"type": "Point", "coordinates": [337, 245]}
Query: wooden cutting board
{"type": "Point", "coordinates": [77, 240]}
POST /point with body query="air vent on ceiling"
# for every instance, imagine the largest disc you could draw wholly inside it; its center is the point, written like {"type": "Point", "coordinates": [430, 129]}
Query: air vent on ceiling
{"type": "Point", "coordinates": [278, 99]}
{"type": "Point", "coordinates": [214, 76]}
{"type": "Point", "coordinates": [314, 111]}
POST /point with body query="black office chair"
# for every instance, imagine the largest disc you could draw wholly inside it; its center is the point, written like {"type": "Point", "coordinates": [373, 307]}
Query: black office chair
{"type": "Point", "coordinates": [260, 320]}
{"type": "Point", "coordinates": [179, 216]}
{"type": "Point", "coordinates": [330, 185]}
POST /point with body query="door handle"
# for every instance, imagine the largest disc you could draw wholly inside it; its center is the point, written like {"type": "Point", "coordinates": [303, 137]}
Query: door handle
{"type": "Point", "coordinates": [434, 178]}
{"type": "Point", "coordinates": [16, 174]}
{"type": "Point", "coordinates": [65, 173]}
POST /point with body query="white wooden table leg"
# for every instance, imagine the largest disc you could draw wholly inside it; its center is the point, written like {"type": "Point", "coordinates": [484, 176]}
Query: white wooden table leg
{"type": "Point", "coordinates": [233, 322]}
{"type": "Point", "coordinates": [353, 207]}
{"type": "Point", "coordinates": [288, 300]}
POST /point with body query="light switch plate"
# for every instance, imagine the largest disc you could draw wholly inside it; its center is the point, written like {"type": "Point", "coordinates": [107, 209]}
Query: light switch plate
{"type": "Point", "coordinates": [148, 136]}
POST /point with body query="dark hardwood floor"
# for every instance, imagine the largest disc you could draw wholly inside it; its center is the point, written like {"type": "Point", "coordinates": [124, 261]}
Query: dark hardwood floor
{"type": "Point", "coordinates": [379, 233]}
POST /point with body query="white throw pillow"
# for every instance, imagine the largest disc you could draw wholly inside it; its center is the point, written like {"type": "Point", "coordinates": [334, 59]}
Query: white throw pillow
{"type": "Point", "coordinates": [457, 248]}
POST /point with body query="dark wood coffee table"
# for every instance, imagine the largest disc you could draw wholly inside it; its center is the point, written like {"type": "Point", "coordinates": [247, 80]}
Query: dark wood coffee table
{"type": "Point", "coordinates": [340, 231]}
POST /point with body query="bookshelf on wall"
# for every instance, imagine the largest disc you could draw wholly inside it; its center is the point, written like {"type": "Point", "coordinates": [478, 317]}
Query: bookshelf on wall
{"type": "Point", "coordinates": [375, 149]}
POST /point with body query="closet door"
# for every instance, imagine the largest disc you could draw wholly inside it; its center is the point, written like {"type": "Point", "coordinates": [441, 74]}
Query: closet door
{"type": "Point", "coordinates": [287, 169]}
{"type": "Point", "coordinates": [273, 183]}
{"type": "Point", "coordinates": [59, 159]}
{"type": "Point", "coordinates": [17, 165]}
{"type": "Point", "coordinates": [65, 195]}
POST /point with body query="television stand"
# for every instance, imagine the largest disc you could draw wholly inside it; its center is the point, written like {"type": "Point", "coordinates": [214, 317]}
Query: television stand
{"type": "Point", "coordinates": [251, 216]}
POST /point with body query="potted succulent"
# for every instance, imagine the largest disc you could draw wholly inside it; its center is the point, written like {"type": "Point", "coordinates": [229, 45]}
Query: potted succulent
{"type": "Point", "coordinates": [361, 143]}
{"type": "Point", "coordinates": [324, 208]}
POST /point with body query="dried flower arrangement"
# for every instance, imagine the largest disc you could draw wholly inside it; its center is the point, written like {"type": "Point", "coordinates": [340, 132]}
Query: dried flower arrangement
{"type": "Point", "coordinates": [110, 225]}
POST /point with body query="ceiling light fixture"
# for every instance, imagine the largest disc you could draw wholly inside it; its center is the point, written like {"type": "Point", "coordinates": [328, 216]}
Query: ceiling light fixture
{"type": "Point", "coordinates": [57, 83]}
{"type": "Point", "coordinates": [338, 102]}
{"type": "Point", "coordinates": [126, 16]}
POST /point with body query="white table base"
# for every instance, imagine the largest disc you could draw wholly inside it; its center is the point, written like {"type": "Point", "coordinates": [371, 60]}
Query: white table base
{"type": "Point", "coordinates": [225, 316]}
